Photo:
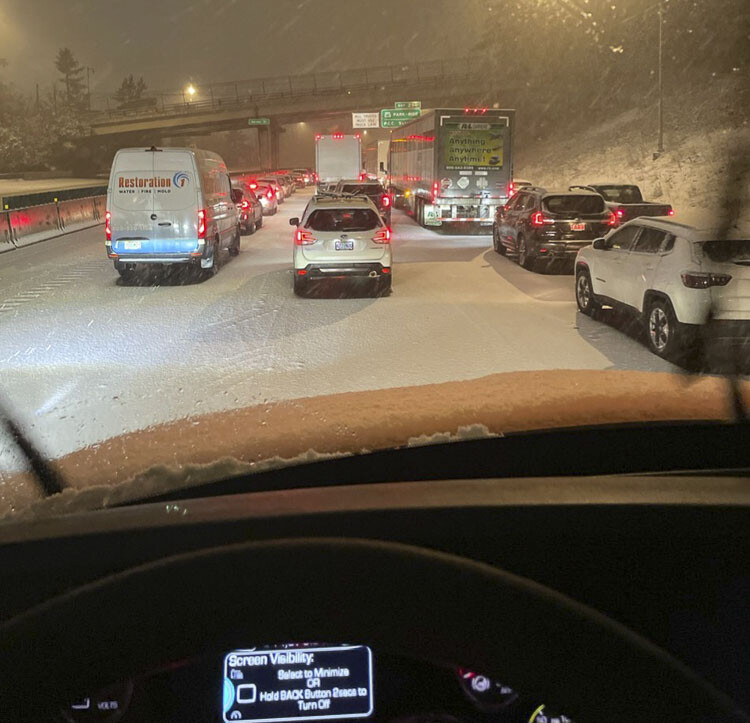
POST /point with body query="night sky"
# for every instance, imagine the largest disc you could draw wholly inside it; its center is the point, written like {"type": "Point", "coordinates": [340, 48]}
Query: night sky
{"type": "Point", "coordinates": [171, 42]}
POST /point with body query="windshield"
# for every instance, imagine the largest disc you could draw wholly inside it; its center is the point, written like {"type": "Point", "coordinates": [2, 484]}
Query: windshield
{"type": "Point", "coordinates": [154, 335]}
{"type": "Point", "coordinates": [566, 205]}
{"type": "Point", "coordinates": [370, 189]}
{"type": "Point", "coordinates": [621, 194]}
{"type": "Point", "coordinates": [343, 219]}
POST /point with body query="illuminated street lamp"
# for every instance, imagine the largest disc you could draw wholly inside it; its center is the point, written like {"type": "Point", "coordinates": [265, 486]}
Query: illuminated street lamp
{"type": "Point", "coordinates": [190, 91]}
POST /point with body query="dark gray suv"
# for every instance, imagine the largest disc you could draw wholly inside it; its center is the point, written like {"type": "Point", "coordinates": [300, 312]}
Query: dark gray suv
{"type": "Point", "coordinates": [537, 224]}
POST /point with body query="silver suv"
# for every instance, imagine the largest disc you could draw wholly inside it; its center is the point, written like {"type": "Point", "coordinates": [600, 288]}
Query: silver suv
{"type": "Point", "coordinates": [341, 237]}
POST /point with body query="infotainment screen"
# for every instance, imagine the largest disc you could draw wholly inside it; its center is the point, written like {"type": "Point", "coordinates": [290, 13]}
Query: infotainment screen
{"type": "Point", "coordinates": [298, 683]}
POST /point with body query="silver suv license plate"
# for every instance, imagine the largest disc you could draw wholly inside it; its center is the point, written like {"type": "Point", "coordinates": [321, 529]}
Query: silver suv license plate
{"type": "Point", "coordinates": [344, 245]}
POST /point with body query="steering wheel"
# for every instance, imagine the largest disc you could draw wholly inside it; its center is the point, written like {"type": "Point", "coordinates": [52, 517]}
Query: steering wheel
{"type": "Point", "coordinates": [397, 598]}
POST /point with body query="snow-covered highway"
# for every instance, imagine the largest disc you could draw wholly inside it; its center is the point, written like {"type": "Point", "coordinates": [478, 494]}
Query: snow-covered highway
{"type": "Point", "coordinates": [84, 357]}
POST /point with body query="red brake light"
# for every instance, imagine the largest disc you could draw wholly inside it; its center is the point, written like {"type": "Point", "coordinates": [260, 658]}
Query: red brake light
{"type": "Point", "coordinates": [703, 279]}
{"type": "Point", "coordinates": [108, 225]}
{"type": "Point", "coordinates": [670, 212]}
{"type": "Point", "coordinates": [435, 190]}
{"type": "Point", "coordinates": [383, 236]}
{"type": "Point", "coordinates": [612, 221]}
{"type": "Point", "coordinates": [537, 219]}
{"type": "Point", "coordinates": [269, 195]}
{"type": "Point", "coordinates": [253, 186]}
{"type": "Point", "coordinates": [245, 204]}
{"type": "Point", "coordinates": [303, 238]}
{"type": "Point", "coordinates": [385, 201]}
{"type": "Point", "coordinates": [511, 189]}
{"type": "Point", "coordinates": [202, 223]}
{"type": "Point", "coordinates": [620, 213]}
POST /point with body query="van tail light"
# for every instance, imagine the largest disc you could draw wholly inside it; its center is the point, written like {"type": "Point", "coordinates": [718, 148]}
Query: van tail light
{"type": "Point", "coordinates": [383, 236]}
{"type": "Point", "coordinates": [385, 201]}
{"type": "Point", "coordinates": [108, 225]}
{"type": "Point", "coordinates": [202, 223]}
{"type": "Point", "coordinates": [304, 238]}
{"type": "Point", "coordinates": [511, 189]}
{"type": "Point", "coordinates": [704, 279]}
{"type": "Point", "coordinates": [612, 220]}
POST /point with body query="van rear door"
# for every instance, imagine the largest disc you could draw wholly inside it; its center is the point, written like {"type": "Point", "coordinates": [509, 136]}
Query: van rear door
{"type": "Point", "coordinates": [175, 223]}
{"type": "Point", "coordinates": [132, 201]}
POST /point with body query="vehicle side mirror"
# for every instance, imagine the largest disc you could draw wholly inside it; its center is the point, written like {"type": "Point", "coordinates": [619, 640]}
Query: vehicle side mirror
{"type": "Point", "coordinates": [601, 244]}
{"type": "Point", "coordinates": [237, 195]}
{"type": "Point", "coordinates": [294, 221]}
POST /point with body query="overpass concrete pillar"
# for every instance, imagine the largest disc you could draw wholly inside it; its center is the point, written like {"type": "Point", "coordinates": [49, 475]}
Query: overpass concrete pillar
{"type": "Point", "coordinates": [263, 147]}
{"type": "Point", "coordinates": [276, 132]}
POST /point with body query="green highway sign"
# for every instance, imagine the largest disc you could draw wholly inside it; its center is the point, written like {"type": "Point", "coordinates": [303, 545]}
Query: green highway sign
{"type": "Point", "coordinates": [259, 121]}
{"type": "Point", "coordinates": [400, 104]}
{"type": "Point", "coordinates": [387, 115]}
{"type": "Point", "coordinates": [399, 113]}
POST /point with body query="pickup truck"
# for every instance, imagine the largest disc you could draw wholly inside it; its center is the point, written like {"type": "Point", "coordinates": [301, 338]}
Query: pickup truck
{"type": "Point", "coordinates": [626, 201]}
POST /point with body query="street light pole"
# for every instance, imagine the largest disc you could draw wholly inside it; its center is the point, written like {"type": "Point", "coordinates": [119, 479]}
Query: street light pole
{"type": "Point", "coordinates": [660, 145]}
{"type": "Point", "coordinates": [88, 84]}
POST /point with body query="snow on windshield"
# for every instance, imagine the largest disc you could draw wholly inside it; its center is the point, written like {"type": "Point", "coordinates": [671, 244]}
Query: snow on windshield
{"type": "Point", "coordinates": [134, 295]}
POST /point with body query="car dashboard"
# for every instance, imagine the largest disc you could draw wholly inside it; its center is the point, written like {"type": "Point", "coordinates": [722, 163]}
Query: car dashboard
{"type": "Point", "coordinates": [665, 556]}
{"type": "Point", "coordinates": [309, 682]}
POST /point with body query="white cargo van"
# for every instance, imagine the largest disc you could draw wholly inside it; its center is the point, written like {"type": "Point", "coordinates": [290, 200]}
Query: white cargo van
{"type": "Point", "coordinates": [169, 206]}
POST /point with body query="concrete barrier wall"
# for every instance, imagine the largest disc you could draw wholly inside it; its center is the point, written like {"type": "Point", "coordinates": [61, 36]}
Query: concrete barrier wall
{"type": "Point", "coordinates": [78, 213]}
{"type": "Point", "coordinates": [6, 241]}
{"type": "Point", "coordinates": [25, 226]}
{"type": "Point", "coordinates": [33, 224]}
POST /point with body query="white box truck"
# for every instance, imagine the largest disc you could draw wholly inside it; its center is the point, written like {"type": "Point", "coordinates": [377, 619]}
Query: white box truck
{"type": "Point", "coordinates": [384, 148]}
{"type": "Point", "coordinates": [337, 156]}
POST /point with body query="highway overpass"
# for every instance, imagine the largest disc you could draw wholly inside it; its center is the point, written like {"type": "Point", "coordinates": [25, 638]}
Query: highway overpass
{"type": "Point", "coordinates": [290, 99]}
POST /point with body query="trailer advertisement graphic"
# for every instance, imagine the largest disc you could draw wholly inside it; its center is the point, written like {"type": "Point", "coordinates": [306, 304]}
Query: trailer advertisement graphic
{"type": "Point", "coordinates": [476, 146]}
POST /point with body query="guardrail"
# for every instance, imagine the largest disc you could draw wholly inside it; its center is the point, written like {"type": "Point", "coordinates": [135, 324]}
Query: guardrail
{"type": "Point", "coordinates": [25, 226]}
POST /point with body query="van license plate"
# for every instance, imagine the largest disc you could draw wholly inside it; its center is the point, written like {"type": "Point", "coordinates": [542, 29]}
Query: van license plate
{"type": "Point", "coordinates": [344, 245]}
{"type": "Point", "coordinates": [132, 245]}
{"type": "Point", "coordinates": [577, 226]}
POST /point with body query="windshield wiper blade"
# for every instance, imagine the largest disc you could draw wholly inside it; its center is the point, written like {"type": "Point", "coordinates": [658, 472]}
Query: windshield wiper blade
{"type": "Point", "coordinates": [46, 475]}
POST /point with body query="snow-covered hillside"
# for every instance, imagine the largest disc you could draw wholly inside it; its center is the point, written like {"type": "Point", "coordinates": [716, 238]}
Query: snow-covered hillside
{"type": "Point", "coordinates": [705, 160]}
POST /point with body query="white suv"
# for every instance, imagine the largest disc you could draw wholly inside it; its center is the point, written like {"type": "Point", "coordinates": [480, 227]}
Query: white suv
{"type": "Point", "coordinates": [341, 236]}
{"type": "Point", "coordinates": [676, 276]}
